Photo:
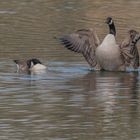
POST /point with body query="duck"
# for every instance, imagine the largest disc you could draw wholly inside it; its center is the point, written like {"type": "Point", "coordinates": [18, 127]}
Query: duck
{"type": "Point", "coordinates": [30, 65]}
{"type": "Point", "coordinates": [106, 55]}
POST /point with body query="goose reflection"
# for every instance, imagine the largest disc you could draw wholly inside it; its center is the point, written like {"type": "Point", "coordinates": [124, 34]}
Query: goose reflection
{"type": "Point", "coordinates": [109, 98]}
{"type": "Point", "coordinates": [109, 92]}
{"type": "Point", "coordinates": [101, 82]}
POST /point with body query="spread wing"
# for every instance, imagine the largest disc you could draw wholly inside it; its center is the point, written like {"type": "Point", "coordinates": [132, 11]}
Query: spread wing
{"type": "Point", "coordinates": [130, 54]}
{"type": "Point", "coordinates": [83, 41]}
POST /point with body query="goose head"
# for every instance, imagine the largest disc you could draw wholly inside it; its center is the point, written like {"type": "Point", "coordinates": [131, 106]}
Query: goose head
{"type": "Point", "coordinates": [134, 36]}
{"type": "Point", "coordinates": [109, 21]}
{"type": "Point", "coordinates": [32, 62]}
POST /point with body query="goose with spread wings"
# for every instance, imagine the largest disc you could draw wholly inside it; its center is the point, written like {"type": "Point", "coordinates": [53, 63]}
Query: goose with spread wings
{"type": "Point", "coordinates": [107, 55]}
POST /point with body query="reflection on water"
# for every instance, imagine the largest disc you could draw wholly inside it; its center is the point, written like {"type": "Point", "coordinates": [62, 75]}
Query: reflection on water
{"type": "Point", "coordinates": [68, 101]}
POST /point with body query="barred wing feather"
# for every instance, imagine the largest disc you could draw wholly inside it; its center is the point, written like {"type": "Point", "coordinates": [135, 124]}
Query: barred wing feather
{"type": "Point", "coordinates": [83, 41]}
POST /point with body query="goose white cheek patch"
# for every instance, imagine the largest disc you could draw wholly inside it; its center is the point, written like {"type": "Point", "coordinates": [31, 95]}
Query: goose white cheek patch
{"type": "Point", "coordinates": [17, 66]}
{"type": "Point", "coordinates": [110, 22]}
{"type": "Point", "coordinates": [32, 64]}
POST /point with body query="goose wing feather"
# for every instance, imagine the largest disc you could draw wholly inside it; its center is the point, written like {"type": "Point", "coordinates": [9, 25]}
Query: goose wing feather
{"type": "Point", "coordinates": [83, 41]}
{"type": "Point", "coordinates": [130, 54]}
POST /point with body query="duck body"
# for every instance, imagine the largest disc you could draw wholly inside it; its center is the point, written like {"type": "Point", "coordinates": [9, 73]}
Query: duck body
{"type": "Point", "coordinates": [108, 54]}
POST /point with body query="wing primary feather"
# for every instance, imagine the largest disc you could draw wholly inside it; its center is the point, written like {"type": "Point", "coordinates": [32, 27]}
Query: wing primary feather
{"type": "Point", "coordinates": [83, 41]}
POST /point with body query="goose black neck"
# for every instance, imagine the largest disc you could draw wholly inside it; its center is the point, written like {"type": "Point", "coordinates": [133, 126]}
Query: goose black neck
{"type": "Point", "coordinates": [112, 29]}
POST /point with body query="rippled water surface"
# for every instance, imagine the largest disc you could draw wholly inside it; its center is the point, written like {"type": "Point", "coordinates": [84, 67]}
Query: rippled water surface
{"type": "Point", "coordinates": [68, 101]}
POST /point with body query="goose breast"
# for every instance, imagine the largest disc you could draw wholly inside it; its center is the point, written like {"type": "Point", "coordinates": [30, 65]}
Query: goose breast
{"type": "Point", "coordinates": [108, 54]}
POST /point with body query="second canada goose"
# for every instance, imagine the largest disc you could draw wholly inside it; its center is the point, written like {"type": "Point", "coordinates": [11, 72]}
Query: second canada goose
{"type": "Point", "coordinates": [107, 55]}
{"type": "Point", "coordinates": [29, 65]}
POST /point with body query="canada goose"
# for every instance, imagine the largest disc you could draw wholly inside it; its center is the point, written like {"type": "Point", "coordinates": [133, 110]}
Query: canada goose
{"type": "Point", "coordinates": [108, 52]}
{"type": "Point", "coordinates": [29, 65]}
{"type": "Point", "coordinates": [107, 55]}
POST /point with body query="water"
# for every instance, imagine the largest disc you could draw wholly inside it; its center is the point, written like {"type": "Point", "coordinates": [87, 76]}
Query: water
{"type": "Point", "coordinates": [68, 101]}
